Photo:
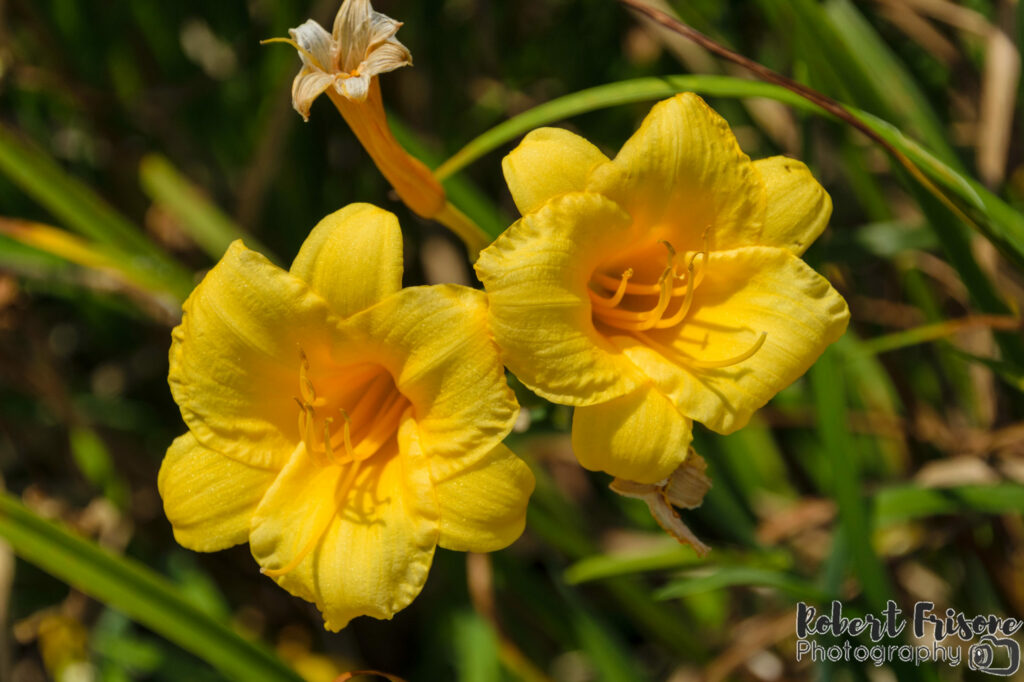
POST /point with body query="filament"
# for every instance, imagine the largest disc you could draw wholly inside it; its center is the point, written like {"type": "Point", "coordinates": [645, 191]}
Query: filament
{"type": "Point", "coordinates": [692, 280]}
{"type": "Point", "coordinates": [620, 291]}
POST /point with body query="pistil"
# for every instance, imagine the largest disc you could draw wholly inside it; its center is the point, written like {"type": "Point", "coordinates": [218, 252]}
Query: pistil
{"type": "Point", "coordinates": [380, 407]}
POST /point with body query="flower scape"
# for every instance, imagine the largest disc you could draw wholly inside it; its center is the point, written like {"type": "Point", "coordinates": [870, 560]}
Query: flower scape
{"type": "Point", "coordinates": [345, 427]}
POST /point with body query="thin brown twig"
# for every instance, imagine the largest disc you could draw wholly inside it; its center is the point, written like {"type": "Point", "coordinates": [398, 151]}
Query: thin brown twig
{"type": "Point", "coordinates": [824, 102]}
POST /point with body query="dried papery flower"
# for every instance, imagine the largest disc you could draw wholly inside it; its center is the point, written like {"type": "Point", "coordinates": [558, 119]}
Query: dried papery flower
{"type": "Point", "coordinates": [685, 488]}
{"type": "Point", "coordinates": [345, 64]}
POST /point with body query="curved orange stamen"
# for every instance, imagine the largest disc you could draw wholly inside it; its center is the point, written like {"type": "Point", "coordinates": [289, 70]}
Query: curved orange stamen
{"type": "Point", "coordinates": [620, 291]}
{"type": "Point", "coordinates": [692, 280]}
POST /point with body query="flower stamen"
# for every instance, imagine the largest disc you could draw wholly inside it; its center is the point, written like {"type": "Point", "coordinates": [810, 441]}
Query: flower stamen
{"type": "Point", "coordinates": [693, 278]}
{"type": "Point", "coordinates": [607, 309]}
{"type": "Point", "coordinates": [620, 291]}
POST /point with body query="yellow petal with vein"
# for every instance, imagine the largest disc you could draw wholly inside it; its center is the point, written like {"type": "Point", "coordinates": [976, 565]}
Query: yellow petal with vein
{"type": "Point", "coordinates": [683, 171]}
{"type": "Point", "coordinates": [209, 498]}
{"type": "Point", "coordinates": [547, 163]}
{"type": "Point", "coordinates": [376, 551]}
{"type": "Point", "coordinates": [640, 437]}
{"type": "Point", "coordinates": [352, 258]}
{"type": "Point", "coordinates": [745, 292]}
{"type": "Point", "coordinates": [483, 507]}
{"type": "Point", "coordinates": [798, 208]}
{"type": "Point", "coordinates": [435, 342]}
{"type": "Point", "coordinates": [536, 276]}
{"type": "Point", "coordinates": [234, 359]}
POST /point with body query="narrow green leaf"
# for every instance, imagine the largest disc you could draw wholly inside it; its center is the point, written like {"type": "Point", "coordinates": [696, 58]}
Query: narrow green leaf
{"type": "Point", "coordinates": [995, 219]}
{"type": "Point", "coordinates": [887, 80]}
{"type": "Point", "coordinates": [204, 222]}
{"type": "Point", "coordinates": [80, 209]}
{"type": "Point", "coordinates": [734, 576]}
{"type": "Point", "coordinates": [608, 565]}
{"type": "Point", "coordinates": [903, 503]}
{"type": "Point", "coordinates": [138, 592]}
{"type": "Point", "coordinates": [854, 523]}
{"type": "Point", "coordinates": [476, 649]}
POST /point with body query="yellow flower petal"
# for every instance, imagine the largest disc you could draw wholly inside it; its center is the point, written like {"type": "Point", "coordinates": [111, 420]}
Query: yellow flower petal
{"type": "Point", "coordinates": [683, 171]}
{"type": "Point", "coordinates": [483, 507]}
{"type": "Point", "coordinates": [547, 163]}
{"type": "Point", "coordinates": [376, 552]}
{"type": "Point", "coordinates": [536, 276]}
{"type": "Point", "coordinates": [640, 437]}
{"type": "Point", "coordinates": [798, 208]}
{"type": "Point", "coordinates": [209, 498]}
{"type": "Point", "coordinates": [352, 258]}
{"type": "Point", "coordinates": [234, 359]}
{"type": "Point", "coordinates": [435, 343]}
{"type": "Point", "coordinates": [745, 292]}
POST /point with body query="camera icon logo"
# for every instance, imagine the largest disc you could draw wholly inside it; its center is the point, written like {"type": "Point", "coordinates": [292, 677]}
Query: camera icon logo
{"type": "Point", "coordinates": [981, 656]}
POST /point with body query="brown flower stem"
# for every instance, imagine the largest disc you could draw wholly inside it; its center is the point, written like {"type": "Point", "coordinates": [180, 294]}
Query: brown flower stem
{"type": "Point", "coordinates": [824, 102]}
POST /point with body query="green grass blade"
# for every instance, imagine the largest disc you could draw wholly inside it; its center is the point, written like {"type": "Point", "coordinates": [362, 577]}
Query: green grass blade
{"type": "Point", "coordinates": [734, 576]}
{"type": "Point", "coordinates": [882, 74]}
{"type": "Point", "coordinates": [603, 96]}
{"type": "Point", "coordinates": [136, 591]}
{"type": "Point", "coordinates": [994, 218]}
{"type": "Point", "coordinates": [903, 503]}
{"type": "Point", "coordinates": [855, 525]}
{"type": "Point", "coordinates": [204, 222]}
{"type": "Point", "coordinates": [80, 209]}
{"type": "Point", "coordinates": [610, 565]}
{"type": "Point", "coordinates": [476, 649]}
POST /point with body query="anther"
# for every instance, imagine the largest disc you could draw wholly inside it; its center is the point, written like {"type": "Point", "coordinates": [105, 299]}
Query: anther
{"type": "Point", "coordinates": [347, 431]}
{"type": "Point", "coordinates": [305, 384]}
{"type": "Point", "coordinates": [328, 448]}
{"type": "Point", "coordinates": [684, 307]}
{"type": "Point", "coordinates": [671, 251]}
{"type": "Point", "coordinates": [620, 291]}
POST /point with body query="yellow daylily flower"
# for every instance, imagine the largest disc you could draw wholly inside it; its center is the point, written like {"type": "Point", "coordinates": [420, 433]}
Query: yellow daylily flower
{"type": "Point", "coordinates": [658, 288]}
{"type": "Point", "coordinates": [345, 64]}
{"type": "Point", "coordinates": [340, 424]}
